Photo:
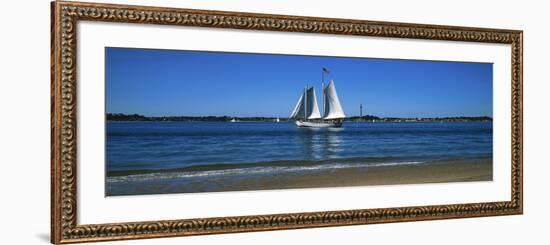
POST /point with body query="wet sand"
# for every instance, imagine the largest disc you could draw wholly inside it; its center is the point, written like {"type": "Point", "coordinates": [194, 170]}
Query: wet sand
{"type": "Point", "coordinates": [456, 170]}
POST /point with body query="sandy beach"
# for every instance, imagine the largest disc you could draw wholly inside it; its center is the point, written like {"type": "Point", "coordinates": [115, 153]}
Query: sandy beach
{"type": "Point", "coordinates": [454, 170]}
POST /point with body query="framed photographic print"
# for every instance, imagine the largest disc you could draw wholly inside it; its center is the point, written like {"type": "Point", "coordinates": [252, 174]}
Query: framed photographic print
{"type": "Point", "coordinates": [175, 122]}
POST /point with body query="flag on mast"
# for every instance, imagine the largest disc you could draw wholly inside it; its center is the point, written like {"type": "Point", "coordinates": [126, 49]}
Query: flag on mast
{"type": "Point", "coordinates": [326, 70]}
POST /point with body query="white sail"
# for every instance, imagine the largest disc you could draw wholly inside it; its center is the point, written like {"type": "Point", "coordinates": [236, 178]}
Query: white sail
{"type": "Point", "coordinates": [333, 109]}
{"type": "Point", "coordinates": [311, 106]}
{"type": "Point", "coordinates": [298, 111]}
{"type": "Point", "coordinates": [307, 107]}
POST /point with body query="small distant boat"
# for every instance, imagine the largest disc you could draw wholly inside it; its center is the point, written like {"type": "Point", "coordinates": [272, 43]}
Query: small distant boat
{"type": "Point", "coordinates": [277, 120]}
{"type": "Point", "coordinates": [306, 112]}
{"type": "Point", "coordinates": [233, 120]}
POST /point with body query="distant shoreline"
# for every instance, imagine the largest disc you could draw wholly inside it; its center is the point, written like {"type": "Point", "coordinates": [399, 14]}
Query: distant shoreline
{"type": "Point", "coordinates": [442, 171]}
{"type": "Point", "coordinates": [119, 117]}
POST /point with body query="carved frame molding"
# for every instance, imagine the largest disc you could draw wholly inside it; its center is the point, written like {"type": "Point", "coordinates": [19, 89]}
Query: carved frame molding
{"type": "Point", "coordinates": [66, 15]}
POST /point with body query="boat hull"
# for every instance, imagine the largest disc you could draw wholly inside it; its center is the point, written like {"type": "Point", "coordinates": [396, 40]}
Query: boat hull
{"type": "Point", "coordinates": [321, 124]}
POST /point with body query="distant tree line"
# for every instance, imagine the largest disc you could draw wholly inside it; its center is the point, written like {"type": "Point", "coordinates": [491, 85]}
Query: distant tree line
{"type": "Point", "coordinates": [137, 117]}
{"type": "Point", "coordinates": [366, 118]}
{"type": "Point", "coordinates": [125, 117]}
{"type": "Point", "coordinates": [420, 119]}
{"type": "Point", "coordinates": [363, 118]}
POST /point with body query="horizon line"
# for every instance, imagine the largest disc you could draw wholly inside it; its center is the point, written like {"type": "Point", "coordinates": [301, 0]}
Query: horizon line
{"type": "Point", "coordinates": [131, 114]}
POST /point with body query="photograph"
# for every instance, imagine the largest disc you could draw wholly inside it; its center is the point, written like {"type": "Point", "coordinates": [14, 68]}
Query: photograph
{"type": "Point", "coordinates": [188, 121]}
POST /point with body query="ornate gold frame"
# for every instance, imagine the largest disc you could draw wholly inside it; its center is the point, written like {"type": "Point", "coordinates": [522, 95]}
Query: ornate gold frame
{"type": "Point", "coordinates": [65, 16]}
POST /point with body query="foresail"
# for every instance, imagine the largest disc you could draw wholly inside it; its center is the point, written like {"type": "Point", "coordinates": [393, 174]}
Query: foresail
{"type": "Point", "coordinates": [333, 109]}
{"type": "Point", "coordinates": [298, 111]}
{"type": "Point", "coordinates": [311, 104]}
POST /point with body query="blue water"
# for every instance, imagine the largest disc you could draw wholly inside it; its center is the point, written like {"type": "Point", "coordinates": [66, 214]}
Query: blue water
{"type": "Point", "coordinates": [154, 146]}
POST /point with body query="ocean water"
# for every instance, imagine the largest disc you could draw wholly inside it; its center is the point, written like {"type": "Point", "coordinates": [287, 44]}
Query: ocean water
{"type": "Point", "coordinates": [183, 149]}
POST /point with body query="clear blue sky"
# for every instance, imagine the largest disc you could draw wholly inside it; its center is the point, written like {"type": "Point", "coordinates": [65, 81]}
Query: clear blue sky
{"type": "Point", "coordinates": [194, 83]}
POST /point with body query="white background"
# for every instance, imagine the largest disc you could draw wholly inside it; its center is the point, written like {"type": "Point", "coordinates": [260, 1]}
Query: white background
{"type": "Point", "coordinates": [24, 100]}
{"type": "Point", "coordinates": [94, 208]}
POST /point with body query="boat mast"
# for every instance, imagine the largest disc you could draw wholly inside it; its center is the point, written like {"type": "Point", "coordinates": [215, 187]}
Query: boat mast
{"type": "Point", "coordinates": [305, 103]}
{"type": "Point", "coordinates": [323, 71]}
{"type": "Point", "coordinates": [323, 88]}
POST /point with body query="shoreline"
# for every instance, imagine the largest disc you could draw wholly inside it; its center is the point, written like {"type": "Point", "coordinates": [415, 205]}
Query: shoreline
{"type": "Point", "coordinates": [286, 120]}
{"type": "Point", "coordinates": [439, 171]}
{"type": "Point", "coordinates": [357, 161]}
{"type": "Point", "coordinates": [121, 117]}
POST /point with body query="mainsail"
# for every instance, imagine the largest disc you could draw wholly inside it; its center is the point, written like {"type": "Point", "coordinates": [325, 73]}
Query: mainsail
{"type": "Point", "coordinates": [333, 109]}
{"type": "Point", "coordinates": [307, 108]}
{"type": "Point", "coordinates": [312, 108]}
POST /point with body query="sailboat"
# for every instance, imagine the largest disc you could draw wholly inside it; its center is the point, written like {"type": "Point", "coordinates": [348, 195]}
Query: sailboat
{"type": "Point", "coordinates": [306, 112]}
